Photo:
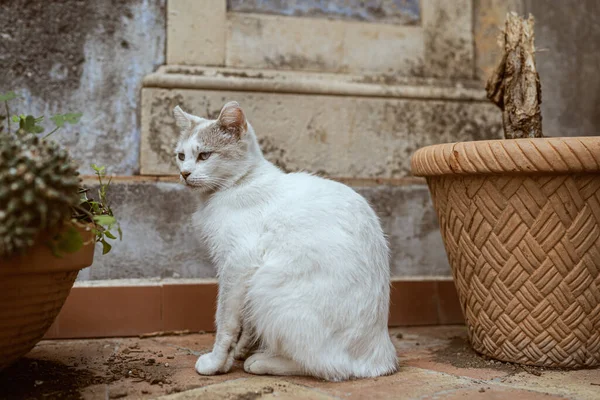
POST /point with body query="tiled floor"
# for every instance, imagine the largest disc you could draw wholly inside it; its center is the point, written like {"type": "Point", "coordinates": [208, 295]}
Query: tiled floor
{"type": "Point", "coordinates": [436, 363]}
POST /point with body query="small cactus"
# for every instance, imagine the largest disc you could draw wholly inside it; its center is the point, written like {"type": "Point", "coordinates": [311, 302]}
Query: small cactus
{"type": "Point", "coordinates": [38, 189]}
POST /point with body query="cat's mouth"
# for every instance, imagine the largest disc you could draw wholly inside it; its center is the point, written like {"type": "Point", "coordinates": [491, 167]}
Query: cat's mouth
{"type": "Point", "coordinates": [193, 184]}
{"type": "Point", "coordinates": [188, 182]}
{"type": "Point", "coordinates": [196, 185]}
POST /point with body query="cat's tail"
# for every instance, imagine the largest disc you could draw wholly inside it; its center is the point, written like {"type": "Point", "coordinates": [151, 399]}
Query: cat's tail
{"type": "Point", "coordinates": [336, 364]}
{"type": "Point", "coordinates": [381, 360]}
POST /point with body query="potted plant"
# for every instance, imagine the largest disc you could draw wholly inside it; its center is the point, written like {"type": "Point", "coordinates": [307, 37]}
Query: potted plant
{"type": "Point", "coordinates": [520, 220]}
{"type": "Point", "coordinates": [48, 228]}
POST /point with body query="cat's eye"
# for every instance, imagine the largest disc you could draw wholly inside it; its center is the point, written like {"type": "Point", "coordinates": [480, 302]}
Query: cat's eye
{"type": "Point", "coordinates": [181, 156]}
{"type": "Point", "coordinates": [204, 156]}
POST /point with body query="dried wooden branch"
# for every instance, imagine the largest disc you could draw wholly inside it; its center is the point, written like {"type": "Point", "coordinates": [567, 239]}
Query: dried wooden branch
{"type": "Point", "coordinates": [515, 84]}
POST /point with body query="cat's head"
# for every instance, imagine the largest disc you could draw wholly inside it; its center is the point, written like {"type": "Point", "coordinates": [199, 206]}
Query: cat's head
{"type": "Point", "coordinates": [214, 154]}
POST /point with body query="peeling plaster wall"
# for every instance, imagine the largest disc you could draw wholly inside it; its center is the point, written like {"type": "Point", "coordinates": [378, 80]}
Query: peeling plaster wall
{"type": "Point", "coordinates": [86, 56]}
{"type": "Point", "coordinates": [569, 33]}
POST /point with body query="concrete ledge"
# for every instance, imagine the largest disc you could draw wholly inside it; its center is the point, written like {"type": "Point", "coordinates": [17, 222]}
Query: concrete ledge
{"type": "Point", "coordinates": [294, 82]}
{"type": "Point", "coordinates": [135, 307]}
{"type": "Point", "coordinates": [159, 242]}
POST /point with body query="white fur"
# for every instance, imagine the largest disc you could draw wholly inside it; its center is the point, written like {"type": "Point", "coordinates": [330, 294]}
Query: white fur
{"type": "Point", "coordinates": [302, 265]}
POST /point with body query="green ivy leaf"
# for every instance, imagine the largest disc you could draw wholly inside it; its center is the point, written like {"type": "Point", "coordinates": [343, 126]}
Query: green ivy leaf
{"type": "Point", "coordinates": [120, 232]}
{"type": "Point", "coordinates": [29, 121]}
{"type": "Point", "coordinates": [98, 169]}
{"type": "Point", "coordinates": [109, 235]}
{"type": "Point", "coordinates": [15, 118]}
{"type": "Point", "coordinates": [8, 96]}
{"type": "Point", "coordinates": [72, 118]}
{"type": "Point", "coordinates": [58, 120]}
{"type": "Point", "coordinates": [106, 247]}
{"type": "Point", "coordinates": [29, 124]}
{"type": "Point", "coordinates": [105, 220]}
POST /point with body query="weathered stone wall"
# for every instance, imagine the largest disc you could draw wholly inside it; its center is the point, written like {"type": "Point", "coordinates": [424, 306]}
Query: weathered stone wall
{"type": "Point", "coordinates": [355, 87]}
{"type": "Point", "coordinates": [86, 56]}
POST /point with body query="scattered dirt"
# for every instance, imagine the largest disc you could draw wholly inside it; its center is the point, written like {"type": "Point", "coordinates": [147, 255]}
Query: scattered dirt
{"type": "Point", "coordinates": [32, 378]}
{"type": "Point", "coordinates": [129, 363]}
{"type": "Point", "coordinates": [40, 379]}
{"type": "Point", "coordinates": [460, 354]}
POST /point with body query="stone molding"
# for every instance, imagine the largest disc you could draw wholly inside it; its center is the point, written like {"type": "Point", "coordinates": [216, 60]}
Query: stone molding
{"type": "Point", "coordinates": [270, 81]}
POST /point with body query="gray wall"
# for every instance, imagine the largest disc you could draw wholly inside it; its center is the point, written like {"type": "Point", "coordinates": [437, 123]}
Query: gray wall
{"type": "Point", "coordinates": [86, 56]}
{"type": "Point", "coordinates": [569, 33]}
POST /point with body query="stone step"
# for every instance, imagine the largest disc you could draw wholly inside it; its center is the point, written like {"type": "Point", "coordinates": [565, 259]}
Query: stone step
{"type": "Point", "coordinates": [158, 241]}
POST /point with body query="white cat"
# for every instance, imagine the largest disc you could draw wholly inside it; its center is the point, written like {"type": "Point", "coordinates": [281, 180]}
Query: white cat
{"type": "Point", "coordinates": [302, 261]}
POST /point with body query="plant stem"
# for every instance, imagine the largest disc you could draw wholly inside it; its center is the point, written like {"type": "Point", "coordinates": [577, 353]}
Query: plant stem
{"type": "Point", "coordinates": [86, 212]}
{"type": "Point", "coordinates": [7, 117]}
{"type": "Point", "coordinates": [99, 179]}
{"type": "Point", "coordinates": [54, 130]}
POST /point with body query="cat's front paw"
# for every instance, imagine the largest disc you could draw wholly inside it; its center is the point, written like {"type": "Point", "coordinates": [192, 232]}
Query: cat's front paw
{"type": "Point", "coordinates": [208, 364]}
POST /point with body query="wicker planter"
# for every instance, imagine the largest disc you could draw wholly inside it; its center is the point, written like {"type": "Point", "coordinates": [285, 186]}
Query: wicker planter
{"type": "Point", "coordinates": [33, 289]}
{"type": "Point", "coordinates": [520, 221]}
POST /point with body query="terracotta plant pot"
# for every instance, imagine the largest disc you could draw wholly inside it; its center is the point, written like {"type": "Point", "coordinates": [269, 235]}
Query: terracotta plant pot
{"type": "Point", "coordinates": [33, 289]}
{"type": "Point", "coordinates": [520, 221]}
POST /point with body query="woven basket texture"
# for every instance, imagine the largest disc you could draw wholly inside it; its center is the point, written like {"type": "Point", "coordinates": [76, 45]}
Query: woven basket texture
{"type": "Point", "coordinates": [523, 242]}
{"type": "Point", "coordinates": [33, 289]}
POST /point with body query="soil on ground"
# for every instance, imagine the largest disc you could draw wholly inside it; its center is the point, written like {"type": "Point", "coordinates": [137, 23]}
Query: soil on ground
{"type": "Point", "coordinates": [39, 379]}
{"type": "Point", "coordinates": [460, 354]}
{"type": "Point", "coordinates": [31, 378]}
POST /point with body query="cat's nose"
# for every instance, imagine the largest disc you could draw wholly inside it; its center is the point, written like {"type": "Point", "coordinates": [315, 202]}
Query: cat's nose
{"type": "Point", "coordinates": [185, 174]}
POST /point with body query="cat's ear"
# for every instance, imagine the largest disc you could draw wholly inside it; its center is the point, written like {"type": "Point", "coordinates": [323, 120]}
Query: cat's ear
{"type": "Point", "coordinates": [183, 120]}
{"type": "Point", "coordinates": [232, 119]}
